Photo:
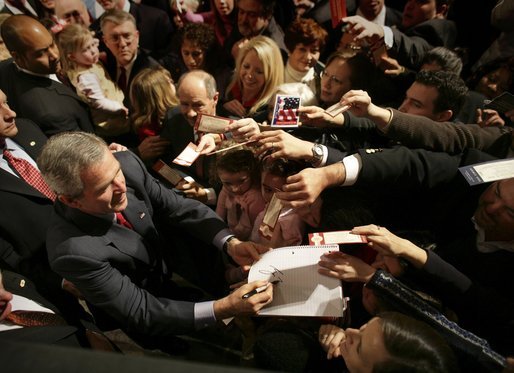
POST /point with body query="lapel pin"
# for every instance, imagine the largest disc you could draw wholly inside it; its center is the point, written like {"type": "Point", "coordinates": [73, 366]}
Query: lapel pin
{"type": "Point", "coordinates": [141, 215]}
{"type": "Point", "coordinates": [32, 143]}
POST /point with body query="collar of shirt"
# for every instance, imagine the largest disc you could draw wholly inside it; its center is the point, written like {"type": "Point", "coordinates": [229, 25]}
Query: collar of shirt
{"type": "Point", "coordinates": [379, 19]}
{"type": "Point", "coordinates": [48, 76]}
{"type": "Point", "coordinates": [16, 11]}
{"type": "Point", "coordinates": [490, 246]}
{"type": "Point", "coordinates": [128, 68]}
{"type": "Point", "coordinates": [126, 6]}
{"type": "Point", "coordinates": [18, 152]}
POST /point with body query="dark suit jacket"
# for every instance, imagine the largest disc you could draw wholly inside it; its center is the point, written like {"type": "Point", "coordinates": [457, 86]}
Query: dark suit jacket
{"type": "Point", "coordinates": [154, 26]}
{"type": "Point", "coordinates": [25, 217]}
{"type": "Point", "coordinates": [52, 105]}
{"type": "Point", "coordinates": [176, 129]}
{"type": "Point", "coordinates": [120, 270]}
{"type": "Point", "coordinates": [143, 61]}
{"type": "Point", "coordinates": [32, 3]}
{"type": "Point", "coordinates": [65, 334]}
{"type": "Point", "coordinates": [410, 46]}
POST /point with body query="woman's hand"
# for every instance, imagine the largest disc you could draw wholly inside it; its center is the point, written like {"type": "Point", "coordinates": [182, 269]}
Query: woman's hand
{"type": "Point", "coordinates": [345, 267]}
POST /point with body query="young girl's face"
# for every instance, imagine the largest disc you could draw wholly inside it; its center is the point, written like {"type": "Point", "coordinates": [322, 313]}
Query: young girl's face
{"type": "Point", "coordinates": [271, 184]}
{"type": "Point", "coordinates": [88, 54]}
{"type": "Point", "coordinates": [236, 183]}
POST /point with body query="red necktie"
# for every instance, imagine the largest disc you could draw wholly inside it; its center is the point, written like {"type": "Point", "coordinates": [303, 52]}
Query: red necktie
{"type": "Point", "coordinates": [29, 173]}
{"type": "Point", "coordinates": [122, 80]}
{"type": "Point", "coordinates": [122, 221]}
{"type": "Point", "coordinates": [35, 318]}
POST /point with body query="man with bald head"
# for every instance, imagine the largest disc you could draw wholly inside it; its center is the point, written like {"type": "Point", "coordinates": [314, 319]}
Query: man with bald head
{"type": "Point", "coordinates": [197, 94]}
{"type": "Point", "coordinates": [30, 82]}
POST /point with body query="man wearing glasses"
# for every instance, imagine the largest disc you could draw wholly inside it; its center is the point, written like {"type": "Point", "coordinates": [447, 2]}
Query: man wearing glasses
{"type": "Point", "coordinates": [122, 38]}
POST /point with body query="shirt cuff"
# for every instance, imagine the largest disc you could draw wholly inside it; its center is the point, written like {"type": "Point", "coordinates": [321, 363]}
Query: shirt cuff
{"type": "Point", "coordinates": [388, 37]}
{"type": "Point", "coordinates": [204, 314]}
{"type": "Point", "coordinates": [211, 196]}
{"type": "Point", "coordinates": [222, 237]}
{"type": "Point", "coordinates": [353, 165]}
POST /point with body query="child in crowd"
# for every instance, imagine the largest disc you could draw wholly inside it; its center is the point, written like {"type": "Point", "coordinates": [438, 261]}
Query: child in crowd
{"type": "Point", "coordinates": [289, 228]}
{"type": "Point", "coordinates": [240, 199]}
{"type": "Point", "coordinates": [152, 94]}
{"type": "Point", "coordinates": [79, 59]}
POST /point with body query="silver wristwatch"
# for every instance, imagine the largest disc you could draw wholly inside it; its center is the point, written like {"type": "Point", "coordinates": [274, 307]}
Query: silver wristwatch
{"type": "Point", "coordinates": [317, 153]}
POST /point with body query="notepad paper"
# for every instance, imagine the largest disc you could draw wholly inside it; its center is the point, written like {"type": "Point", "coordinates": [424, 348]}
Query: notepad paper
{"type": "Point", "coordinates": [302, 291]}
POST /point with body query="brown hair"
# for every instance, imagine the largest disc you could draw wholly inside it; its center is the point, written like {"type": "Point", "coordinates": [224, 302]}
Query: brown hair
{"type": "Point", "coordinates": [306, 31]}
{"type": "Point", "coordinates": [151, 95]}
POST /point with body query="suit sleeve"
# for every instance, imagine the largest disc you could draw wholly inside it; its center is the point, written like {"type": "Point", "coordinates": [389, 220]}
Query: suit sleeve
{"type": "Point", "coordinates": [420, 132]}
{"type": "Point", "coordinates": [107, 288]}
{"type": "Point", "coordinates": [191, 215]}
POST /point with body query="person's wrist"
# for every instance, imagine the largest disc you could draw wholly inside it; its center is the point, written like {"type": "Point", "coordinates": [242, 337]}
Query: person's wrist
{"type": "Point", "coordinates": [228, 246]}
{"type": "Point", "coordinates": [221, 308]}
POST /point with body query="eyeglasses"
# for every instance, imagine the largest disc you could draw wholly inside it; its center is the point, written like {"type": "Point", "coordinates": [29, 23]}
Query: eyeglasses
{"type": "Point", "coordinates": [127, 37]}
{"type": "Point", "coordinates": [331, 78]}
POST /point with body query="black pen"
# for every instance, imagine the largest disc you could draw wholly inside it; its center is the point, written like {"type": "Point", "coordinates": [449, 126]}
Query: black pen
{"type": "Point", "coordinates": [260, 289]}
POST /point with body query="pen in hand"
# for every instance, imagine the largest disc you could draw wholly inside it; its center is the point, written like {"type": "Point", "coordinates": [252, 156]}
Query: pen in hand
{"type": "Point", "coordinates": [258, 290]}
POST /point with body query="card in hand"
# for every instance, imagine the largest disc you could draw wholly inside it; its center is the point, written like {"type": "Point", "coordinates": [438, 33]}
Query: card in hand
{"type": "Point", "coordinates": [285, 113]}
{"type": "Point", "coordinates": [337, 237]}
{"type": "Point", "coordinates": [502, 103]}
{"type": "Point", "coordinates": [211, 124]}
{"type": "Point", "coordinates": [188, 156]}
{"type": "Point", "coordinates": [337, 109]}
{"type": "Point", "coordinates": [168, 173]}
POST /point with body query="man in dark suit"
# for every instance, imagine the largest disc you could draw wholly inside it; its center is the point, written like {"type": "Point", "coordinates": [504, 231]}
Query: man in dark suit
{"type": "Point", "coordinates": [23, 233]}
{"type": "Point", "coordinates": [197, 95]}
{"type": "Point", "coordinates": [27, 7]}
{"type": "Point", "coordinates": [254, 17]}
{"type": "Point", "coordinates": [424, 26]}
{"type": "Point", "coordinates": [153, 24]}
{"type": "Point", "coordinates": [13, 283]}
{"type": "Point", "coordinates": [121, 36]}
{"type": "Point", "coordinates": [123, 270]}
{"type": "Point", "coordinates": [30, 82]}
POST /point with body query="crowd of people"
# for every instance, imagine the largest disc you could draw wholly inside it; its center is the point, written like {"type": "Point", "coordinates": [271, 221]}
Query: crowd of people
{"type": "Point", "coordinates": [95, 97]}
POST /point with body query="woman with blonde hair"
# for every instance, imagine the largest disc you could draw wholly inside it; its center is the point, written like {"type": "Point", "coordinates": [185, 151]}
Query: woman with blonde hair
{"type": "Point", "coordinates": [152, 95]}
{"type": "Point", "coordinates": [259, 70]}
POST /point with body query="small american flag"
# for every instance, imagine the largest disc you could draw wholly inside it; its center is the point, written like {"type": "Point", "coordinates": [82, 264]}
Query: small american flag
{"type": "Point", "coordinates": [286, 110]}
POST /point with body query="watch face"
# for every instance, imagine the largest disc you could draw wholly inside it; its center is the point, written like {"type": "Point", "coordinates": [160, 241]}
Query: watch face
{"type": "Point", "coordinates": [317, 150]}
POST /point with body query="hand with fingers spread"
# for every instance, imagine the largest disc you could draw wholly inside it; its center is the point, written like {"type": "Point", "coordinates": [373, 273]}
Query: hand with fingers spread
{"type": "Point", "coordinates": [330, 338]}
{"type": "Point", "coordinates": [235, 107]}
{"type": "Point", "coordinates": [152, 147]}
{"type": "Point", "coordinates": [361, 28]}
{"type": "Point", "coordinates": [387, 243]}
{"type": "Point", "coordinates": [280, 144]}
{"type": "Point", "coordinates": [314, 116]}
{"type": "Point", "coordinates": [345, 267]}
{"type": "Point", "coordinates": [243, 129]}
{"type": "Point", "coordinates": [391, 66]}
{"type": "Point", "coordinates": [303, 188]}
